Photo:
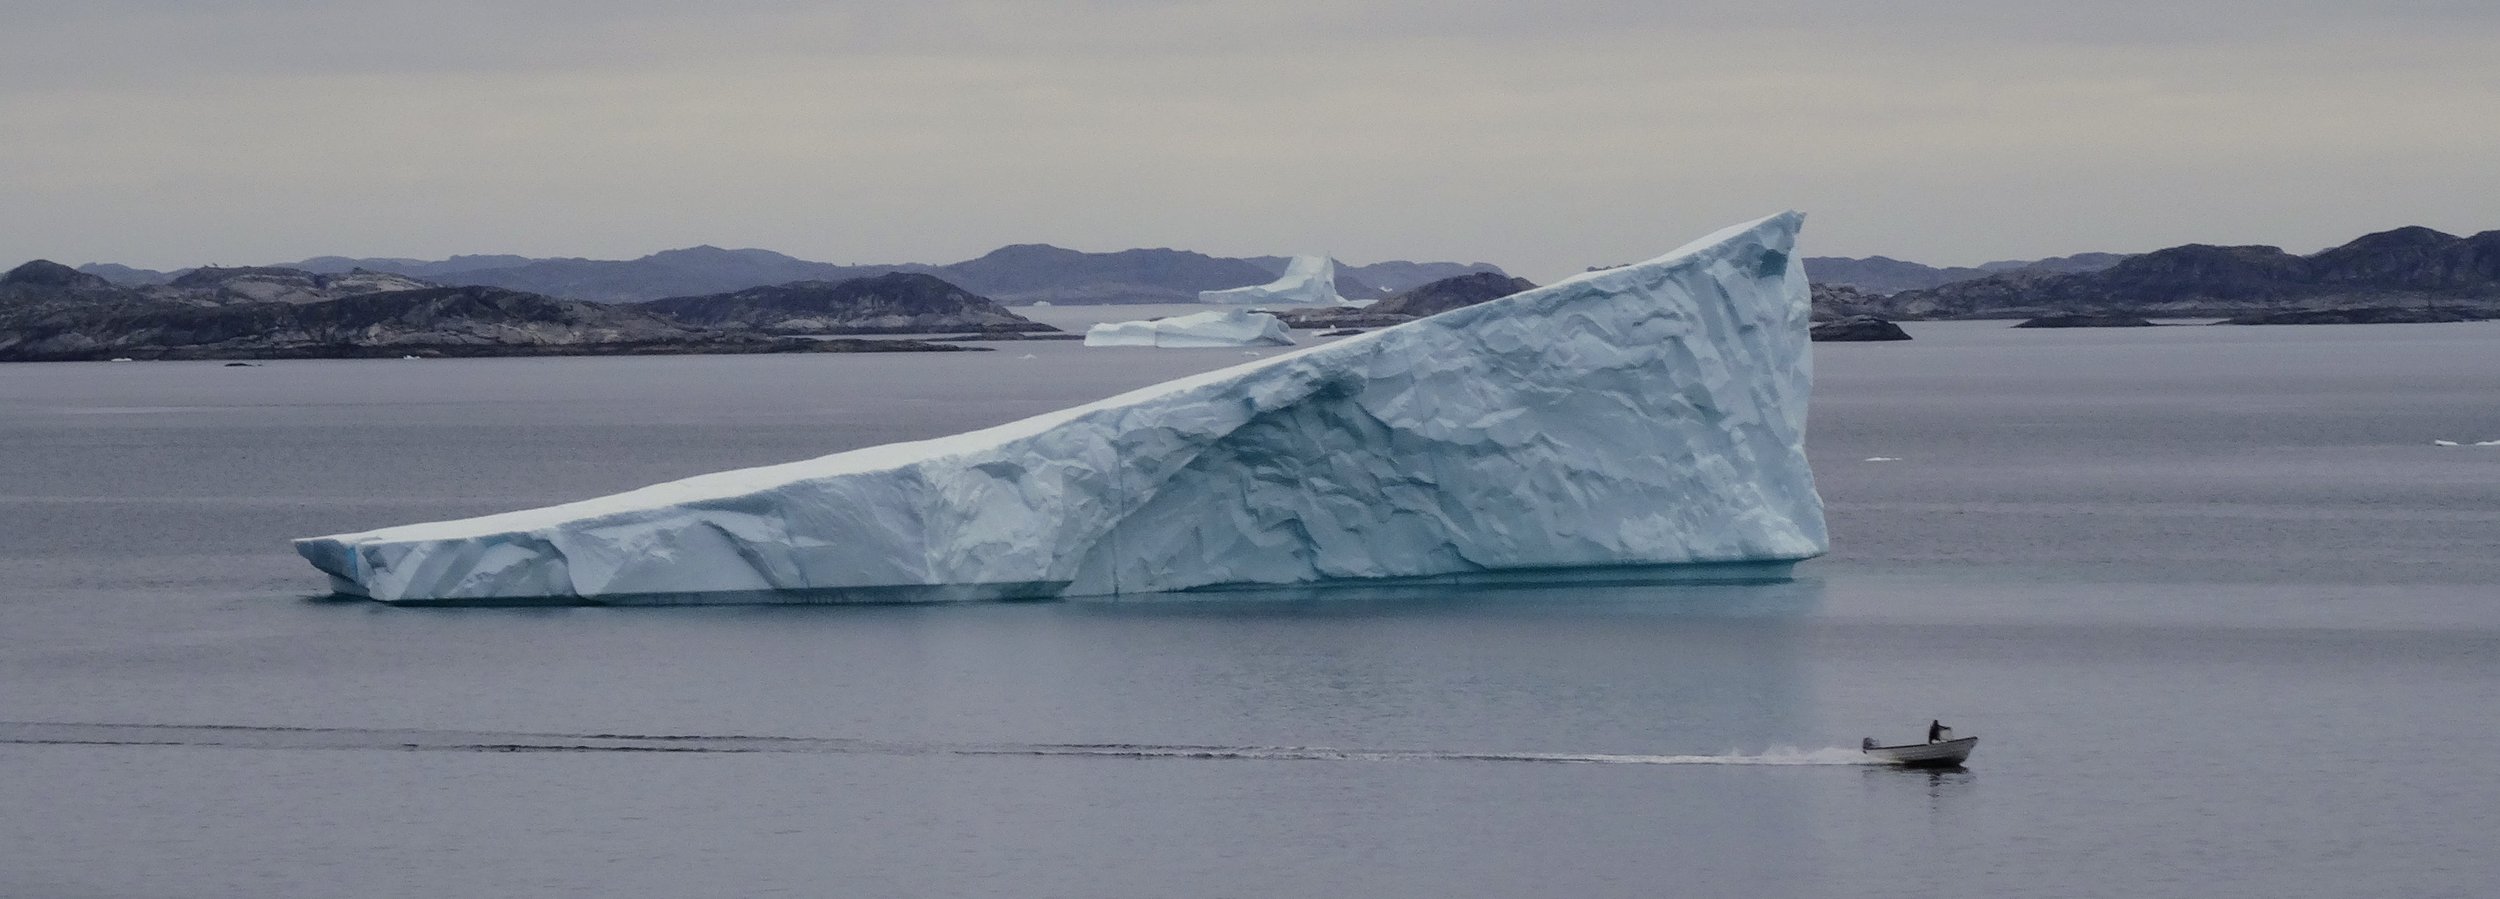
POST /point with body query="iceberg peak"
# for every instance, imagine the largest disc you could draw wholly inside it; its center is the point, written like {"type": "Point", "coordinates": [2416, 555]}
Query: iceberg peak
{"type": "Point", "coordinates": [1307, 281]}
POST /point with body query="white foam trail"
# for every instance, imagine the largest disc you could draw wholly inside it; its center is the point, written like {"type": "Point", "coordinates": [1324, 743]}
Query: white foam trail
{"type": "Point", "coordinates": [1776, 756]}
{"type": "Point", "coordinates": [1834, 755]}
{"type": "Point", "coordinates": [299, 738]}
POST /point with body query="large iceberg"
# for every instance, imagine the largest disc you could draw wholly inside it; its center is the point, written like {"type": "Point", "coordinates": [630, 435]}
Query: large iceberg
{"type": "Point", "coordinates": [1215, 328]}
{"type": "Point", "coordinates": [1308, 281]}
{"type": "Point", "coordinates": [1623, 423]}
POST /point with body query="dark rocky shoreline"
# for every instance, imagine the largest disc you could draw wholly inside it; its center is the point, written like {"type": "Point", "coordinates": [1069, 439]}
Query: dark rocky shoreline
{"type": "Point", "coordinates": [51, 313]}
{"type": "Point", "coordinates": [998, 336]}
{"type": "Point", "coordinates": [2370, 315]}
{"type": "Point", "coordinates": [2086, 320]}
{"type": "Point", "coordinates": [2405, 268]}
{"type": "Point", "coordinates": [491, 351]}
{"type": "Point", "coordinates": [1856, 328]}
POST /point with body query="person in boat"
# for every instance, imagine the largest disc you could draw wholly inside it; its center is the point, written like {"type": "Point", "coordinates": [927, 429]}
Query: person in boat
{"type": "Point", "coordinates": [1937, 732]}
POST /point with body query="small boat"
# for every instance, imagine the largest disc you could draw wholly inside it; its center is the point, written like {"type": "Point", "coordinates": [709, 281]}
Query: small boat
{"type": "Point", "coordinates": [1939, 754]}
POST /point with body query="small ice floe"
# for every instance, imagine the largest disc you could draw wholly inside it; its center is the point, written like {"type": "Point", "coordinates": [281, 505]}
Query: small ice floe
{"type": "Point", "coordinates": [1028, 356]}
{"type": "Point", "coordinates": [121, 359]}
{"type": "Point", "coordinates": [2445, 443]}
{"type": "Point", "coordinates": [2487, 443]}
{"type": "Point", "coordinates": [1883, 459]}
{"type": "Point", "coordinates": [1251, 353]}
{"type": "Point", "coordinates": [411, 357]}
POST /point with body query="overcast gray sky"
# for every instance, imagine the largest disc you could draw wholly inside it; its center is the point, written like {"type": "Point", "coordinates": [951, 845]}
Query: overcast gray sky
{"type": "Point", "coordinates": [1541, 136]}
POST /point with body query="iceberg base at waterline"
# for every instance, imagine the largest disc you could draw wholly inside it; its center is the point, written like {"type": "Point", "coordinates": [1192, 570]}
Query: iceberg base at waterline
{"type": "Point", "coordinates": [1683, 574]}
{"type": "Point", "coordinates": [1640, 419]}
{"type": "Point", "coordinates": [1218, 328]}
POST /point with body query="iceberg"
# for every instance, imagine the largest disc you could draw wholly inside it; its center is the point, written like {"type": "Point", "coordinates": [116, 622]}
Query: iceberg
{"type": "Point", "coordinates": [1218, 328]}
{"type": "Point", "coordinates": [1308, 281]}
{"type": "Point", "coordinates": [1621, 423]}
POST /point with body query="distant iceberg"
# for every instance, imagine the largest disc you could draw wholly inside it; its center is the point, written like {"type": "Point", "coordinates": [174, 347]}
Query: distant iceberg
{"type": "Point", "coordinates": [1647, 418]}
{"type": "Point", "coordinates": [1308, 281]}
{"type": "Point", "coordinates": [1217, 328]}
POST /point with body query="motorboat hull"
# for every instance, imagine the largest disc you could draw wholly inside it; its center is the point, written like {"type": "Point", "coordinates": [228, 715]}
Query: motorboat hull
{"type": "Point", "coordinates": [1945, 754]}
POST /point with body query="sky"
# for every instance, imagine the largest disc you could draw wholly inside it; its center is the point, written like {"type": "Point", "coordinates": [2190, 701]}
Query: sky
{"type": "Point", "coordinates": [1545, 137]}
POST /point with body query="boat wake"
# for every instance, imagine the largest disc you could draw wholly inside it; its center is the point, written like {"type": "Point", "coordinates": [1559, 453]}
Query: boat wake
{"type": "Point", "coordinates": [1833, 756]}
{"type": "Point", "coordinates": [39, 733]}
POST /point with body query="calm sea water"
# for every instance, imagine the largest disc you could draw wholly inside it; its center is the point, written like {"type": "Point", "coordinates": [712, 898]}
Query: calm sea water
{"type": "Point", "coordinates": [2226, 621]}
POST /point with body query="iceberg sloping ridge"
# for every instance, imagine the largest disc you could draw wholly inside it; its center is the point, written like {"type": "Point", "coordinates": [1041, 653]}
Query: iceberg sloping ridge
{"type": "Point", "coordinates": [1650, 415]}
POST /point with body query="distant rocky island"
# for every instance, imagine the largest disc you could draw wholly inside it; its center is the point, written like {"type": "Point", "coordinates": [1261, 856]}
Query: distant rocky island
{"type": "Point", "coordinates": [892, 303]}
{"type": "Point", "coordinates": [1856, 329]}
{"type": "Point", "coordinates": [2441, 277]}
{"type": "Point", "coordinates": [1886, 275]}
{"type": "Point", "coordinates": [1014, 275]}
{"type": "Point", "coordinates": [1833, 302]}
{"type": "Point", "coordinates": [1428, 299]}
{"type": "Point", "coordinates": [50, 312]}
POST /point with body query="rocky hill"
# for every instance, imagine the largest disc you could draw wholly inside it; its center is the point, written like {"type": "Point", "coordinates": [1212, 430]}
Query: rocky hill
{"type": "Point", "coordinates": [269, 284]}
{"type": "Point", "coordinates": [127, 276]}
{"type": "Point", "coordinates": [1833, 302]}
{"type": "Point", "coordinates": [1029, 273]}
{"type": "Point", "coordinates": [2390, 268]}
{"type": "Point", "coordinates": [51, 313]}
{"type": "Point", "coordinates": [1884, 275]}
{"type": "Point", "coordinates": [414, 268]}
{"type": "Point", "coordinates": [894, 303]}
{"type": "Point", "coordinates": [1856, 329]}
{"type": "Point", "coordinates": [46, 281]}
{"type": "Point", "coordinates": [1399, 276]}
{"type": "Point", "coordinates": [1014, 275]}
{"type": "Point", "coordinates": [44, 278]}
{"type": "Point", "coordinates": [1428, 299]}
{"type": "Point", "coordinates": [686, 272]}
{"type": "Point", "coordinates": [1451, 293]}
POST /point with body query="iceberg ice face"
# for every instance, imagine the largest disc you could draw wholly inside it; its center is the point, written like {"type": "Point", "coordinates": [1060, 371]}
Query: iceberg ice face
{"type": "Point", "coordinates": [1652, 415]}
{"type": "Point", "coordinates": [1218, 328]}
{"type": "Point", "coordinates": [1308, 281]}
